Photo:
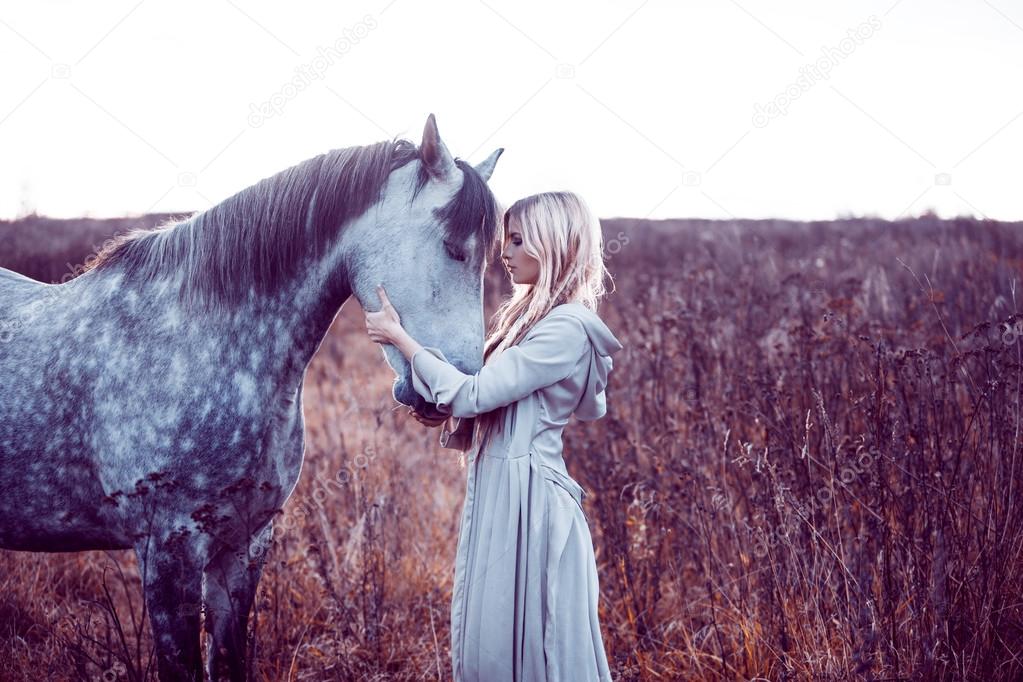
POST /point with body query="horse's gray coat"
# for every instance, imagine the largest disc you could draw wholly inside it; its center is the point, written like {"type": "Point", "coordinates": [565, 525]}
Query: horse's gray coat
{"type": "Point", "coordinates": [155, 401]}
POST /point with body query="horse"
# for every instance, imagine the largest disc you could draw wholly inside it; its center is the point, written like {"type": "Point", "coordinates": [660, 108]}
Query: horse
{"type": "Point", "coordinates": [154, 402]}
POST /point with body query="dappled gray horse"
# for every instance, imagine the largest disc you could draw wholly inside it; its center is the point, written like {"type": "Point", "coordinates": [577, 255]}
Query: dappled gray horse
{"type": "Point", "coordinates": [155, 401]}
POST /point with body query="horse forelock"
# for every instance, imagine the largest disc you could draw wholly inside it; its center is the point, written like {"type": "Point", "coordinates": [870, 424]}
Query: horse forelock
{"type": "Point", "coordinates": [472, 211]}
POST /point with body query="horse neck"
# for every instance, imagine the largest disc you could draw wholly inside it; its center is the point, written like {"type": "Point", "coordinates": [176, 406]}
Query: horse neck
{"type": "Point", "coordinates": [310, 307]}
{"type": "Point", "coordinates": [288, 322]}
{"type": "Point", "coordinates": [301, 306]}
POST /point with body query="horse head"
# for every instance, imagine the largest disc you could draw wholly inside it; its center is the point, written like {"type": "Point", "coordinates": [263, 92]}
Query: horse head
{"type": "Point", "coordinates": [428, 241]}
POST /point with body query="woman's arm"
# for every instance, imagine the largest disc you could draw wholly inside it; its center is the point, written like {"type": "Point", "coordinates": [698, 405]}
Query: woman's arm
{"type": "Point", "coordinates": [548, 353]}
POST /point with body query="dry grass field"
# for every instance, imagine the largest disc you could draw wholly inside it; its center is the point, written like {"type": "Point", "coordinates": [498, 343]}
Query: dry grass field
{"type": "Point", "coordinates": [811, 469]}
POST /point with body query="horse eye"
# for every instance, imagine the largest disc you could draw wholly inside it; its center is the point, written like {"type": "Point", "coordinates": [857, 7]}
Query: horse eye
{"type": "Point", "coordinates": [453, 252]}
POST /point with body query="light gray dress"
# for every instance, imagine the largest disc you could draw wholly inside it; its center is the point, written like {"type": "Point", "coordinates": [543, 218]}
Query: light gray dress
{"type": "Point", "coordinates": [524, 604]}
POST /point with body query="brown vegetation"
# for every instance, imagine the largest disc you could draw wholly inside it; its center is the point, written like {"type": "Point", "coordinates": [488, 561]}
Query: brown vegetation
{"type": "Point", "coordinates": [811, 469]}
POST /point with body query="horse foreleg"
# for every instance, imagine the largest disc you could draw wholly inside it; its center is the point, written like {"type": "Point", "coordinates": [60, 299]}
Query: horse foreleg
{"type": "Point", "coordinates": [171, 581]}
{"type": "Point", "coordinates": [229, 588]}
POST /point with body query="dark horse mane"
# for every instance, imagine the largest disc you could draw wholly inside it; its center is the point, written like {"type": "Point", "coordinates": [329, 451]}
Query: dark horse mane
{"type": "Point", "coordinates": [261, 236]}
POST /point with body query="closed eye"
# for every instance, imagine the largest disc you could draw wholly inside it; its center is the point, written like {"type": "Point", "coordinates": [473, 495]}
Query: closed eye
{"type": "Point", "coordinates": [454, 252]}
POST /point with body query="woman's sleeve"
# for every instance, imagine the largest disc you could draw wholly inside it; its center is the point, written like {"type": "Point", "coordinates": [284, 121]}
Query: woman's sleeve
{"type": "Point", "coordinates": [547, 354]}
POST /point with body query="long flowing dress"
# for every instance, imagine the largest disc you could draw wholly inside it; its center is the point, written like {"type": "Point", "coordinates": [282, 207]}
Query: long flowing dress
{"type": "Point", "coordinates": [524, 602]}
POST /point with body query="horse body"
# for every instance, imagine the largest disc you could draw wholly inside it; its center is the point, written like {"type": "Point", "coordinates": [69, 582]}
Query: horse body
{"type": "Point", "coordinates": [132, 417]}
{"type": "Point", "coordinates": [144, 389]}
{"type": "Point", "coordinates": [49, 491]}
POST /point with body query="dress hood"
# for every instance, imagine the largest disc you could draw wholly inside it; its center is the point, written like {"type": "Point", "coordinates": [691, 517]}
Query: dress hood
{"type": "Point", "coordinates": [593, 404]}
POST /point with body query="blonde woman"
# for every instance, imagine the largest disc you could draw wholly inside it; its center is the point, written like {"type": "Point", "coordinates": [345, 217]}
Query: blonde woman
{"type": "Point", "coordinates": [524, 603]}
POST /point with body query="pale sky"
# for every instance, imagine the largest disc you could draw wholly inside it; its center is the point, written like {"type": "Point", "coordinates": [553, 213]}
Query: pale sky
{"type": "Point", "coordinates": [647, 108]}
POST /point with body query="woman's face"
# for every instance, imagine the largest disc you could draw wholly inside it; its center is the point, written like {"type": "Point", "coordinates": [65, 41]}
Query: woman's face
{"type": "Point", "coordinates": [523, 268]}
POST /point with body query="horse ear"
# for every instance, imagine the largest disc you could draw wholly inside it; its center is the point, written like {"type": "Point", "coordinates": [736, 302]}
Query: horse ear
{"type": "Point", "coordinates": [434, 152]}
{"type": "Point", "coordinates": [486, 168]}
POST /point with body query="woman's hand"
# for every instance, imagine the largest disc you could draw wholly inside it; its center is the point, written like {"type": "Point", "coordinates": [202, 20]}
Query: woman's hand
{"type": "Point", "coordinates": [384, 326]}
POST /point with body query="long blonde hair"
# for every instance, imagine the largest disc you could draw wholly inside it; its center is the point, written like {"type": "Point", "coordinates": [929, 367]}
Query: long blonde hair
{"type": "Point", "coordinates": [561, 232]}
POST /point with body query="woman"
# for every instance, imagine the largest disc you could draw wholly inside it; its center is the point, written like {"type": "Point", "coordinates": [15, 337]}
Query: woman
{"type": "Point", "coordinates": [524, 603]}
